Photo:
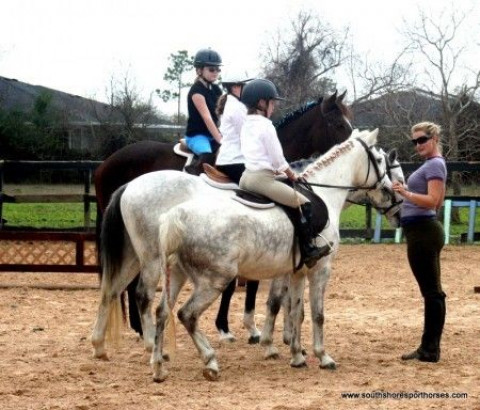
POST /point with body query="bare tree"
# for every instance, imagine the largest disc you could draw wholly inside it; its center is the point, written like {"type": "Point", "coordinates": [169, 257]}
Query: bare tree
{"type": "Point", "coordinates": [442, 50]}
{"type": "Point", "coordinates": [127, 116]}
{"type": "Point", "coordinates": [302, 62]}
{"type": "Point", "coordinates": [371, 79]}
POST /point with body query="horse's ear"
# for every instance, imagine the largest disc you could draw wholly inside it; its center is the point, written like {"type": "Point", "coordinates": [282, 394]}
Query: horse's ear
{"type": "Point", "coordinates": [329, 103]}
{"type": "Point", "coordinates": [373, 137]}
{"type": "Point", "coordinates": [341, 97]}
{"type": "Point", "coordinates": [392, 155]}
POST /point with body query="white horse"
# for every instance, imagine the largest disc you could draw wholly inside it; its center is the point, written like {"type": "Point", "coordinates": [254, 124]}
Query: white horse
{"type": "Point", "coordinates": [277, 252]}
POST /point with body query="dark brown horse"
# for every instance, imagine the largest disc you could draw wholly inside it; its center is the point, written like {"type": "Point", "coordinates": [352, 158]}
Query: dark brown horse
{"type": "Point", "coordinates": [311, 130]}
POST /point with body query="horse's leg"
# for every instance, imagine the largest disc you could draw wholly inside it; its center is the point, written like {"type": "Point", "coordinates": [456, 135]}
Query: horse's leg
{"type": "Point", "coordinates": [133, 313]}
{"type": "Point", "coordinates": [249, 312]}
{"type": "Point", "coordinates": [274, 301]}
{"type": "Point", "coordinates": [109, 309]}
{"type": "Point", "coordinates": [317, 285]}
{"type": "Point", "coordinates": [295, 294]}
{"type": "Point", "coordinates": [221, 321]}
{"type": "Point", "coordinates": [287, 320]}
{"type": "Point", "coordinates": [204, 294]}
{"type": "Point", "coordinates": [163, 316]}
{"type": "Point", "coordinates": [144, 296]}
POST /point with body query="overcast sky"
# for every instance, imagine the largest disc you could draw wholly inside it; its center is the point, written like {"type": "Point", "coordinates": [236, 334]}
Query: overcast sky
{"type": "Point", "coordinates": [76, 46]}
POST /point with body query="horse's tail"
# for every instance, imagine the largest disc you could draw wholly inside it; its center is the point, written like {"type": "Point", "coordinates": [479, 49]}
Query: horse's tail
{"type": "Point", "coordinates": [98, 230]}
{"type": "Point", "coordinates": [171, 236]}
{"type": "Point", "coordinates": [112, 239]}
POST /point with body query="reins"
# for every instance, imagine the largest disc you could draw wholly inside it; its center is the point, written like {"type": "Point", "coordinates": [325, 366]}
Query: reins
{"type": "Point", "coordinates": [371, 160]}
{"type": "Point", "coordinates": [380, 178]}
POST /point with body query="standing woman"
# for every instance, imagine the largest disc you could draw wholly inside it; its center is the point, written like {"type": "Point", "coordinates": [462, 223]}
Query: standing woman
{"type": "Point", "coordinates": [232, 113]}
{"type": "Point", "coordinates": [202, 135]}
{"type": "Point", "coordinates": [425, 236]}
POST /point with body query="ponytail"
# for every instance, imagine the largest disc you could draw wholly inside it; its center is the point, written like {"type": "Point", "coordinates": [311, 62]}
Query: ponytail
{"type": "Point", "coordinates": [222, 100]}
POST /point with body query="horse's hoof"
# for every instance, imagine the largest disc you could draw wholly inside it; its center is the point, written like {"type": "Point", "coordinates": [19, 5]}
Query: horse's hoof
{"type": "Point", "coordinates": [101, 356]}
{"type": "Point", "coordinates": [166, 357]}
{"type": "Point", "coordinates": [253, 340]}
{"type": "Point", "coordinates": [211, 375]}
{"type": "Point", "coordinates": [298, 365]}
{"type": "Point", "coordinates": [273, 356]}
{"type": "Point", "coordinates": [227, 337]}
{"type": "Point", "coordinates": [329, 366]}
{"type": "Point", "coordinates": [160, 377]}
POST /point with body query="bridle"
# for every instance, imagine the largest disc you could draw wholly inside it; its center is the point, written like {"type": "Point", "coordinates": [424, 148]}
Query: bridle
{"type": "Point", "coordinates": [372, 163]}
{"type": "Point", "coordinates": [395, 202]}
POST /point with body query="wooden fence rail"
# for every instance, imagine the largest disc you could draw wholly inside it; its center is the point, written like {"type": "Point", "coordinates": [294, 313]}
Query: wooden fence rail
{"type": "Point", "coordinates": [79, 254]}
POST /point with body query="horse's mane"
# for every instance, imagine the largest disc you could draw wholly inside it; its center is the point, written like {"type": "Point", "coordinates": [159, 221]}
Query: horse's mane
{"type": "Point", "coordinates": [292, 116]}
{"type": "Point", "coordinates": [329, 157]}
{"type": "Point", "coordinates": [302, 164]}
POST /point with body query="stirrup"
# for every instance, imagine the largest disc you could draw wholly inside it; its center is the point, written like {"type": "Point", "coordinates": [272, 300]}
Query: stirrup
{"type": "Point", "coordinates": [316, 254]}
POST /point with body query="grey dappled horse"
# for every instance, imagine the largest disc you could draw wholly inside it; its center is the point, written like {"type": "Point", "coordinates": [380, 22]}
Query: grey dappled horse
{"type": "Point", "coordinates": [212, 239]}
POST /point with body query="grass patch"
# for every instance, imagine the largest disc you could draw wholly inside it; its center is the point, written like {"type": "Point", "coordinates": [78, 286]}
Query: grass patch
{"type": "Point", "coordinates": [70, 215]}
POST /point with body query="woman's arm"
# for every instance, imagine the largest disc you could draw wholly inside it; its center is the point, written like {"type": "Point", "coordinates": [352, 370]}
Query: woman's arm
{"type": "Point", "coordinates": [201, 106]}
{"type": "Point", "coordinates": [433, 199]}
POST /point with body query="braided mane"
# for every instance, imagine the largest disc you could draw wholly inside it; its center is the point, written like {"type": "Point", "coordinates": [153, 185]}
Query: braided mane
{"type": "Point", "coordinates": [329, 157]}
{"type": "Point", "coordinates": [292, 116]}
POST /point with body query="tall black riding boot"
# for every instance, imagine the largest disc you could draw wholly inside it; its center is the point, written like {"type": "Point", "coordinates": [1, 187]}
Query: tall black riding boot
{"type": "Point", "coordinates": [429, 350]}
{"type": "Point", "coordinates": [196, 167]}
{"type": "Point", "coordinates": [311, 253]}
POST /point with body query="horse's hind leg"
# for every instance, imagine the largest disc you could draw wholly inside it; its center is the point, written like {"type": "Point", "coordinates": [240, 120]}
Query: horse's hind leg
{"type": "Point", "coordinates": [274, 301]}
{"type": "Point", "coordinates": [202, 297]}
{"type": "Point", "coordinates": [249, 313]}
{"type": "Point", "coordinates": [163, 315]}
{"type": "Point", "coordinates": [144, 296]}
{"type": "Point", "coordinates": [221, 322]}
{"type": "Point", "coordinates": [133, 311]}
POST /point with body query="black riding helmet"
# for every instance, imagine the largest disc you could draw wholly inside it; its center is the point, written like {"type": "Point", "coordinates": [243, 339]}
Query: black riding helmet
{"type": "Point", "coordinates": [207, 57]}
{"type": "Point", "coordinates": [259, 89]}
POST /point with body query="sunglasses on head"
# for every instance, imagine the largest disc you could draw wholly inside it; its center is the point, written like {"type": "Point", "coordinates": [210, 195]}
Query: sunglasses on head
{"type": "Point", "coordinates": [214, 69]}
{"type": "Point", "coordinates": [421, 140]}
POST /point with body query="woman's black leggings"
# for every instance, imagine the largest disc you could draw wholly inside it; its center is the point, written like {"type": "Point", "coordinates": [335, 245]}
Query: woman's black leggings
{"type": "Point", "coordinates": [425, 241]}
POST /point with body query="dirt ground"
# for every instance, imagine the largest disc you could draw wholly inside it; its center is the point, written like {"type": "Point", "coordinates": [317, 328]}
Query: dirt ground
{"type": "Point", "coordinates": [373, 315]}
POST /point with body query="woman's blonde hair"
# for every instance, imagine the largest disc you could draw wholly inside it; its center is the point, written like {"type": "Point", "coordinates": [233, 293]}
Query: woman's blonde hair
{"type": "Point", "coordinates": [431, 129]}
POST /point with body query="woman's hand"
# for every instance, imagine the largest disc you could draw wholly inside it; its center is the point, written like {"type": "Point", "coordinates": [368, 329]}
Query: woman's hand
{"type": "Point", "coordinates": [400, 188]}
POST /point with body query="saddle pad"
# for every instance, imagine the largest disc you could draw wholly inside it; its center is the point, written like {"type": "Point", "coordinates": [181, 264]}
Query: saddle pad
{"type": "Point", "coordinates": [219, 185]}
{"type": "Point", "coordinates": [178, 149]}
{"type": "Point", "coordinates": [252, 199]}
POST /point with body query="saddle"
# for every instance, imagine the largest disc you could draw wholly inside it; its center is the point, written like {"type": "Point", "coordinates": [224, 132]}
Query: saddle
{"type": "Point", "coordinates": [218, 179]}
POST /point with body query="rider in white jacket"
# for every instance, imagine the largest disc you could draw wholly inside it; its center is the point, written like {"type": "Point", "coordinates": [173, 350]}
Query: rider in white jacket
{"type": "Point", "coordinates": [232, 113]}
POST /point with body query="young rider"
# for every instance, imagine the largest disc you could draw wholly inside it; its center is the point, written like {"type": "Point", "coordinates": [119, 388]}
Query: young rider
{"type": "Point", "coordinates": [202, 135]}
{"type": "Point", "coordinates": [232, 113]}
{"type": "Point", "coordinates": [264, 160]}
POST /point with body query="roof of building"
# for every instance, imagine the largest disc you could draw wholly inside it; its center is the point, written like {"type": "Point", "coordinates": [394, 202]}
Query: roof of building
{"type": "Point", "coordinates": [18, 95]}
